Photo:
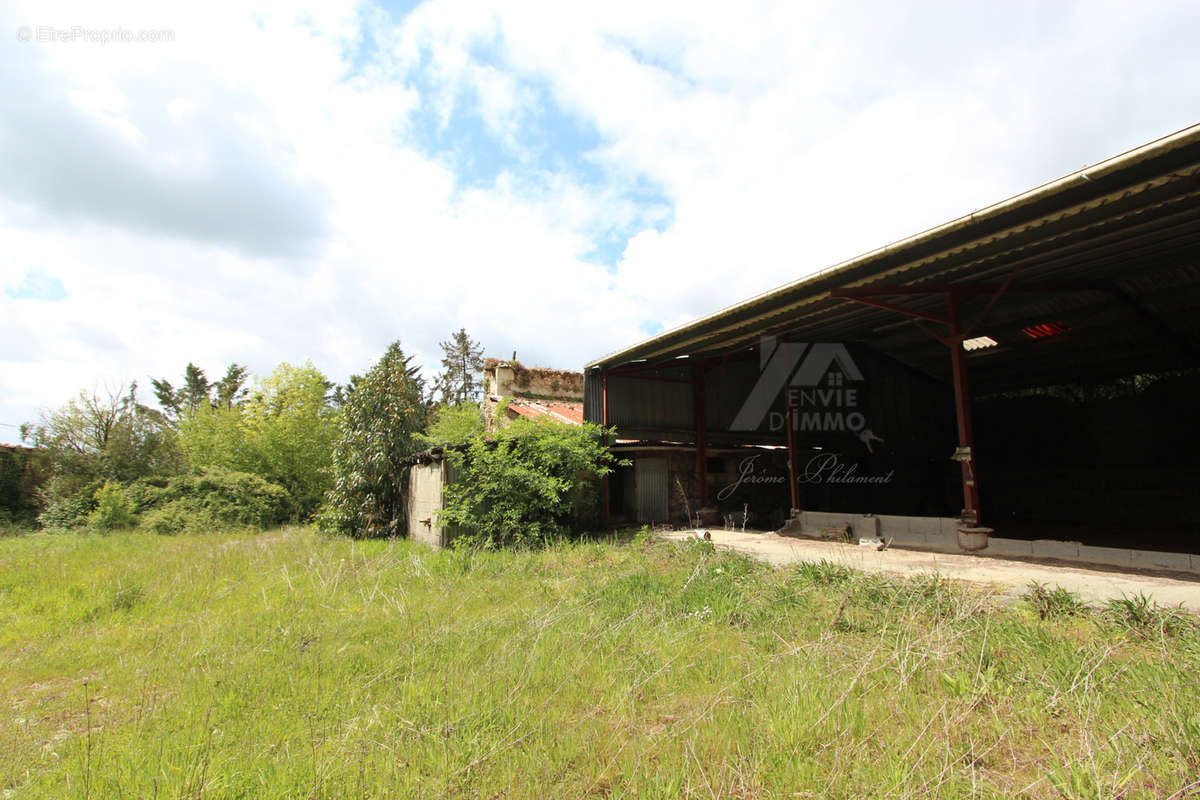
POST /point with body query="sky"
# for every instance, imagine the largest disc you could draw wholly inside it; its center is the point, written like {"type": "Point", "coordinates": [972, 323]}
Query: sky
{"type": "Point", "coordinates": [264, 182]}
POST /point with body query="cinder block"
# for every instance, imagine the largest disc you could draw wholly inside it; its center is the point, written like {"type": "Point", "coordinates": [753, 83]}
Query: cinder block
{"type": "Point", "coordinates": [1116, 556]}
{"type": "Point", "coordinates": [999, 546]}
{"type": "Point", "coordinates": [925, 527]}
{"type": "Point", "coordinates": [947, 533]}
{"type": "Point", "coordinates": [949, 526]}
{"type": "Point", "coordinates": [1053, 548]}
{"type": "Point", "coordinates": [1150, 559]}
{"type": "Point", "coordinates": [823, 519]}
{"type": "Point", "coordinates": [893, 527]}
{"type": "Point", "coordinates": [865, 527]}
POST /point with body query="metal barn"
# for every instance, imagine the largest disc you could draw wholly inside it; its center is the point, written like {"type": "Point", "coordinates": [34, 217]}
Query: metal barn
{"type": "Point", "coordinates": [1026, 372]}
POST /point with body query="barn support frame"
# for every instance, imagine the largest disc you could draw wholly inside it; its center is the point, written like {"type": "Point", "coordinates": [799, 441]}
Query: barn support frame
{"type": "Point", "coordinates": [955, 335]}
{"type": "Point", "coordinates": [700, 412]}
{"type": "Point", "coordinates": [606, 502]}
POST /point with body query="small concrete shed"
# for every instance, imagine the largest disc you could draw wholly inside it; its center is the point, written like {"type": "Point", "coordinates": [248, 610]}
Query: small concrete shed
{"type": "Point", "coordinates": [429, 475]}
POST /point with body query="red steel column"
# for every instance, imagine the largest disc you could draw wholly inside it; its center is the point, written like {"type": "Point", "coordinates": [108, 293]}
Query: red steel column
{"type": "Point", "coordinates": [788, 420]}
{"type": "Point", "coordinates": [962, 409]}
{"type": "Point", "coordinates": [604, 487]}
{"type": "Point", "coordinates": [701, 415]}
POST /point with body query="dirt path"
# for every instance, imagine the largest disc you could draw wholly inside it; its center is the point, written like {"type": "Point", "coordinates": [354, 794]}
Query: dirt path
{"type": "Point", "coordinates": [1093, 585]}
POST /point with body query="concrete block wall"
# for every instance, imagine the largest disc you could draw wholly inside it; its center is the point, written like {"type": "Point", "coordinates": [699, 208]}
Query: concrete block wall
{"type": "Point", "coordinates": [930, 533]}
{"type": "Point", "coordinates": [940, 534]}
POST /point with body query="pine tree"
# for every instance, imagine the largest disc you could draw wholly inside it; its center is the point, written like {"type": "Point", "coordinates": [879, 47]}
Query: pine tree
{"type": "Point", "coordinates": [198, 391]}
{"type": "Point", "coordinates": [462, 362]}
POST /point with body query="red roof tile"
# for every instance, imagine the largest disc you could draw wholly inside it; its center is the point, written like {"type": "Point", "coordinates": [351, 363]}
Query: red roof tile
{"type": "Point", "coordinates": [571, 413]}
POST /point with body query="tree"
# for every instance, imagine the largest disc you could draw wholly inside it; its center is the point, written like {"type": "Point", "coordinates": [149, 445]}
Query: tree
{"type": "Point", "coordinates": [96, 437]}
{"type": "Point", "coordinates": [198, 392]}
{"type": "Point", "coordinates": [380, 418]}
{"type": "Point", "coordinates": [462, 363]}
{"type": "Point", "coordinates": [532, 481]}
{"type": "Point", "coordinates": [231, 389]}
{"type": "Point", "coordinates": [282, 432]}
{"type": "Point", "coordinates": [453, 425]}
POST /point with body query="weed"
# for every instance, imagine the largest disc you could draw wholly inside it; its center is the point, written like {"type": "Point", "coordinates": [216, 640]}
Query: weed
{"type": "Point", "coordinates": [1053, 603]}
{"type": "Point", "coordinates": [1142, 615]}
{"type": "Point", "coordinates": [823, 573]}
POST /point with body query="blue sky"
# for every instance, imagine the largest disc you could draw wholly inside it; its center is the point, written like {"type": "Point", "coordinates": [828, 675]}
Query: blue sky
{"type": "Point", "coordinates": [278, 182]}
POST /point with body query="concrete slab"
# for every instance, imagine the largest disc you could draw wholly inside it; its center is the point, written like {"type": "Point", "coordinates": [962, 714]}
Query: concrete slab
{"type": "Point", "coordinates": [1052, 548]}
{"type": "Point", "coordinates": [1115, 556]}
{"type": "Point", "coordinates": [999, 546]}
{"type": "Point", "coordinates": [1011, 577]}
{"type": "Point", "coordinates": [894, 527]}
{"type": "Point", "coordinates": [1148, 559]}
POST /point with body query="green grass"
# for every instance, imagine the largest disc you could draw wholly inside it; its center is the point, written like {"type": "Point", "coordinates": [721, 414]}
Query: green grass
{"type": "Point", "coordinates": [288, 664]}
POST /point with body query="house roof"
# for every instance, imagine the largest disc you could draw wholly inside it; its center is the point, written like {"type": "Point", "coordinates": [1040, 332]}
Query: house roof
{"type": "Point", "coordinates": [559, 410]}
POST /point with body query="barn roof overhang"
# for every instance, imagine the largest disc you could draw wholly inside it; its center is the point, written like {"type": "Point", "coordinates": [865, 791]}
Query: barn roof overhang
{"type": "Point", "coordinates": [1103, 263]}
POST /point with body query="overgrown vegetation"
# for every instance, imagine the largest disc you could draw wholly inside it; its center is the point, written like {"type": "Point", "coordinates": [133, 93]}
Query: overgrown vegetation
{"type": "Point", "coordinates": [453, 425]}
{"type": "Point", "coordinates": [296, 665]}
{"type": "Point", "coordinates": [113, 509]}
{"type": "Point", "coordinates": [380, 419]}
{"type": "Point", "coordinates": [1053, 602]}
{"type": "Point", "coordinates": [527, 483]}
{"type": "Point", "coordinates": [283, 431]}
{"type": "Point", "coordinates": [338, 454]}
{"type": "Point", "coordinates": [20, 479]}
{"type": "Point", "coordinates": [96, 438]}
{"type": "Point", "coordinates": [213, 499]}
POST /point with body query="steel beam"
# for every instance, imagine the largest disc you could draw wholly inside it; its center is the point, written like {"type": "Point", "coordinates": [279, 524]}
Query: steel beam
{"type": "Point", "coordinates": [962, 412]}
{"type": "Point", "coordinates": [605, 489]}
{"type": "Point", "coordinates": [789, 418]}
{"type": "Point", "coordinates": [701, 414]}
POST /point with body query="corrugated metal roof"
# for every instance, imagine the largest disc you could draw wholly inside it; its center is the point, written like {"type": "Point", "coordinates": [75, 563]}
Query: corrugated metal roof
{"type": "Point", "coordinates": [1131, 222]}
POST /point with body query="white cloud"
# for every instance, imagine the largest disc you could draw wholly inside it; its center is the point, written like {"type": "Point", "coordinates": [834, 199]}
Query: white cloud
{"type": "Point", "coordinates": [258, 189]}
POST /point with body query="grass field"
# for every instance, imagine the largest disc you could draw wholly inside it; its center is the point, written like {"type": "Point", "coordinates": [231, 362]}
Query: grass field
{"type": "Point", "coordinates": [288, 664]}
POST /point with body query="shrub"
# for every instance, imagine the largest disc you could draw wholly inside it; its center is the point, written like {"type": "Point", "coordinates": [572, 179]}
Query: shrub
{"type": "Point", "coordinates": [68, 510]}
{"type": "Point", "coordinates": [534, 481]}
{"type": "Point", "coordinates": [21, 475]}
{"type": "Point", "coordinates": [213, 498]}
{"type": "Point", "coordinates": [113, 510]}
{"type": "Point", "coordinates": [453, 425]}
{"type": "Point", "coordinates": [283, 432]}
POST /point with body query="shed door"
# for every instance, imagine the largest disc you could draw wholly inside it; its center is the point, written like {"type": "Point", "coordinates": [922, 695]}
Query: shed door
{"type": "Point", "coordinates": [651, 477]}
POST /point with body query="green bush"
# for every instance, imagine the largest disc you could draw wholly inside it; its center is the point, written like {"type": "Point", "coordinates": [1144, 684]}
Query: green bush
{"type": "Point", "coordinates": [113, 511]}
{"type": "Point", "coordinates": [68, 510]}
{"type": "Point", "coordinates": [215, 498]}
{"type": "Point", "coordinates": [283, 432]}
{"type": "Point", "coordinates": [20, 478]}
{"type": "Point", "coordinates": [533, 481]}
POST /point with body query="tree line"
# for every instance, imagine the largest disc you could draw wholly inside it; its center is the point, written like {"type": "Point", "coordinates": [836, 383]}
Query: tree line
{"type": "Point", "coordinates": [294, 446]}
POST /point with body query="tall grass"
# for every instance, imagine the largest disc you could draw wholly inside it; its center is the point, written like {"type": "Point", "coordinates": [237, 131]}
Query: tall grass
{"type": "Point", "coordinates": [288, 664]}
